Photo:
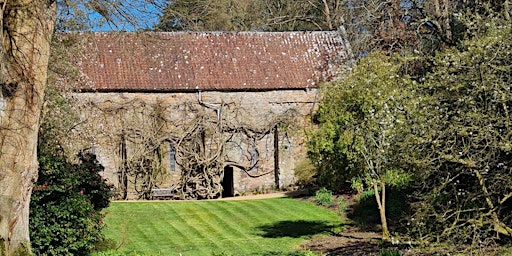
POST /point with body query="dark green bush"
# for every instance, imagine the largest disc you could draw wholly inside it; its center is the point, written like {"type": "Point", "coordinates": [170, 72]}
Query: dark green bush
{"type": "Point", "coordinates": [66, 204]}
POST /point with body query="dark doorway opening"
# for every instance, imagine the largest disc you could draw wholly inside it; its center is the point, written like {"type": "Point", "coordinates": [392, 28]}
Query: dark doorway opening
{"type": "Point", "coordinates": [227, 182]}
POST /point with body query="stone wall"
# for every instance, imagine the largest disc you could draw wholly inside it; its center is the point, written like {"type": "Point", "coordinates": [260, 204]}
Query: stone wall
{"type": "Point", "coordinates": [248, 120]}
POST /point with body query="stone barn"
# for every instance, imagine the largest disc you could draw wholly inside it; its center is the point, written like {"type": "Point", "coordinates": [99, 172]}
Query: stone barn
{"type": "Point", "coordinates": [199, 114]}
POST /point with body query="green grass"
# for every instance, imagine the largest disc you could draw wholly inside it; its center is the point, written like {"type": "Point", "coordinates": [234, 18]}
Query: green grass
{"type": "Point", "coordinates": [253, 227]}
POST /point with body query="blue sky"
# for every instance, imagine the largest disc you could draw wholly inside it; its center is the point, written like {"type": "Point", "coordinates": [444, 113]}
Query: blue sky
{"type": "Point", "coordinates": [146, 17]}
{"type": "Point", "coordinates": [125, 15]}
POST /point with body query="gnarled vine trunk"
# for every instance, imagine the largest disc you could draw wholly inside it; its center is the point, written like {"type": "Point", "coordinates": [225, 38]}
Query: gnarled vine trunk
{"type": "Point", "coordinates": [27, 26]}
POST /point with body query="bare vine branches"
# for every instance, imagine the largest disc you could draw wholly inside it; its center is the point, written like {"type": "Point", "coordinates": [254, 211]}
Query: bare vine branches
{"type": "Point", "coordinates": [205, 137]}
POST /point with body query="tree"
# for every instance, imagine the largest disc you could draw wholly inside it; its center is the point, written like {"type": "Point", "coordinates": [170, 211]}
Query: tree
{"type": "Point", "coordinates": [86, 15]}
{"type": "Point", "coordinates": [363, 123]}
{"type": "Point", "coordinates": [70, 193]}
{"type": "Point", "coordinates": [258, 15]}
{"type": "Point", "coordinates": [464, 195]}
{"type": "Point", "coordinates": [452, 116]}
{"type": "Point", "coordinates": [409, 25]}
{"type": "Point", "coordinates": [200, 15]}
{"type": "Point", "coordinates": [27, 28]}
{"type": "Point", "coordinates": [398, 26]}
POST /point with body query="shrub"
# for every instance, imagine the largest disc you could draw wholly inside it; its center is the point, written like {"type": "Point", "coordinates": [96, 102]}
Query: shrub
{"type": "Point", "coordinates": [324, 197]}
{"type": "Point", "coordinates": [342, 206]}
{"type": "Point", "coordinates": [65, 217]}
{"type": "Point", "coordinates": [389, 252]}
{"type": "Point", "coordinates": [305, 173]}
{"type": "Point", "coordinates": [92, 184]}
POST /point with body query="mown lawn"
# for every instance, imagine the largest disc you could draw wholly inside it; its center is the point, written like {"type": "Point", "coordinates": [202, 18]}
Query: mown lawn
{"type": "Point", "coordinates": [252, 227]}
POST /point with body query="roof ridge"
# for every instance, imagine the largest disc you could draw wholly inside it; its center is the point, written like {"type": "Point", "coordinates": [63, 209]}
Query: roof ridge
{"type": "Point", "coordinates": [198, 32]}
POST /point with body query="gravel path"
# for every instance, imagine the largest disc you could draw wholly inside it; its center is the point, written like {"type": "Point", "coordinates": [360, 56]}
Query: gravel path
{"type": "Point", "coordinates": [253, 197]}
{"type": "Point", "coordinates": [295, 193]}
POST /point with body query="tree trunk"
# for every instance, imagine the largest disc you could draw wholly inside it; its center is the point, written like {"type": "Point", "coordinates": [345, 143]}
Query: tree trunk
{"type": "Point", "coordinates": [27, 26]}
{"type": "Point", "coordinates": [381, 202]}
{"type": "Point", "coordinates": [327, 14]}
{"type": "Point", "coordinates": [446, 20]}
{"type": "Point", "coordinates": [506, 10]}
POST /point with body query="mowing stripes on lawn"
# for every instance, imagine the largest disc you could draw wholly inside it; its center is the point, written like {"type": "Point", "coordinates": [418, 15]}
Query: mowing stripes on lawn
{"type": "Point", "coordinates": [253, 227]}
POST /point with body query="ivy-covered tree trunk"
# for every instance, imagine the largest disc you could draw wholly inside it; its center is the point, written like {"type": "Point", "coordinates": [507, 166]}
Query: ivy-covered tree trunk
{"type": "Point", "coordinates": [27, 26]}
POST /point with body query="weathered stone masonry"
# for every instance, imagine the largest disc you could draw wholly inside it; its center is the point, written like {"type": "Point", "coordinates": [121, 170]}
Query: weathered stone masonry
{"type": "Point", "coordinates": [107, 115]}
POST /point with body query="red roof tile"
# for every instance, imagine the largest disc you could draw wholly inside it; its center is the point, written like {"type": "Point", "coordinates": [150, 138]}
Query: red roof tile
{"type": "Point", "coordinates": [183, 61]}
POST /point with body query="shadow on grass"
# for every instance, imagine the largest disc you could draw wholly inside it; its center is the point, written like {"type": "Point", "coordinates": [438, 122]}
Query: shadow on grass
{"type": "Point", "coordinates": [365, 211]}
{"type": "Point", "coordinates": [363, 248]}
{"type": "Point", "coordinates": [295, 229]}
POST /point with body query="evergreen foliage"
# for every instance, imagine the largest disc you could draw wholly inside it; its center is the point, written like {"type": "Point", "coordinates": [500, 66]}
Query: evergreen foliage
{"type": "Point", "coordinates": [69, 195]}
{"type": "Point", "coordinates": [363, 124]}
{"type": "Point", "coordinates": [362, 121]}
{"type": "Point", "coordinates": [65, 210]}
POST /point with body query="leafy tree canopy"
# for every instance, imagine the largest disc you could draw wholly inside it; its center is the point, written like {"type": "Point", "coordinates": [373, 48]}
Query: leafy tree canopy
{"type": "Point", "coordinates": [363, 124]}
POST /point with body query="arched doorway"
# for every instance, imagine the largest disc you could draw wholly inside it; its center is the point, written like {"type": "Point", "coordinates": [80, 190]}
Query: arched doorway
{"type": "Point", "coordinates": [228, 182]}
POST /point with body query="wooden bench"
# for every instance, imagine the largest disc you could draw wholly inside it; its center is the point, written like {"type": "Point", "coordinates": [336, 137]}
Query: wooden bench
{"type": "Point", "coordinates": [162, 193]}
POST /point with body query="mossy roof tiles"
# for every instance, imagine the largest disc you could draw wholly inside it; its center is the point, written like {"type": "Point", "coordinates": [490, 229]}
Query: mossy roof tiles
{"type": "Point", "coordinates": [191, 61]}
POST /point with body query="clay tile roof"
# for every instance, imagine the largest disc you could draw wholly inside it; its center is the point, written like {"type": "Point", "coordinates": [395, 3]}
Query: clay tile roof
{"type": "Point", "coordinates": [191, 61]}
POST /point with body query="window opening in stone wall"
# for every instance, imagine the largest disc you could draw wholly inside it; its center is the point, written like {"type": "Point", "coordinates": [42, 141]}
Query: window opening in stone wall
{"type": "Point", "coordinates": [276, 158]}
{"type": "Point", "coordinates": [172, 157]}
{"type": "Point", "coordinates": [122, 175]}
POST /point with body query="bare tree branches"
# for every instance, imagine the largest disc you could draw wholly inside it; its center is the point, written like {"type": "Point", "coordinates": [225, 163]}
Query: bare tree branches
{"type": "Point", "coordinates": [80, 15]}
